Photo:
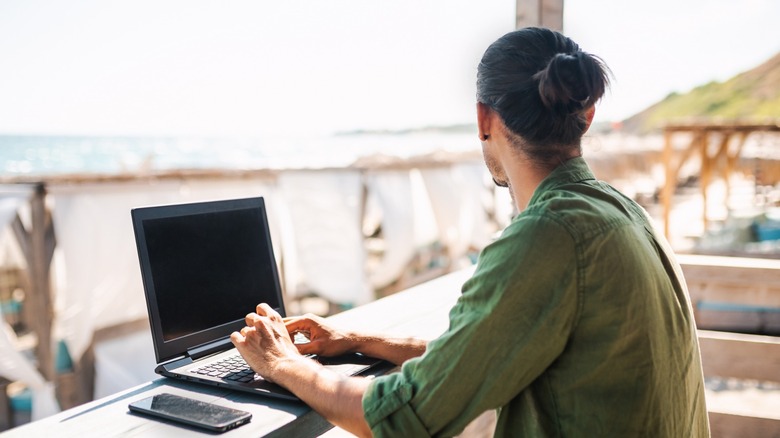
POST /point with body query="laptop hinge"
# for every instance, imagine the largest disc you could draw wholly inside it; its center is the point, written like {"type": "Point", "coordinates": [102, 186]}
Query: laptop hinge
{"type": "Point", "coordinates": [207, 349]}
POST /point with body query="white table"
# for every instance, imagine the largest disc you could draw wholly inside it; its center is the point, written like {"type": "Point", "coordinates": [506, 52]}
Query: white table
{"type": "Point", "coordinates": [421, 311]}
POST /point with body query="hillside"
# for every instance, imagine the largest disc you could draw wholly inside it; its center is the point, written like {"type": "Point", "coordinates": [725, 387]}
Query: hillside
{"type": "Point", "coordinates": [752, 95]}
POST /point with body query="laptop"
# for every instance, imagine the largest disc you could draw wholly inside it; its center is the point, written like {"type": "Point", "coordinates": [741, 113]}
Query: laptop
{"type": "Point", "coordinates": [204, 266]}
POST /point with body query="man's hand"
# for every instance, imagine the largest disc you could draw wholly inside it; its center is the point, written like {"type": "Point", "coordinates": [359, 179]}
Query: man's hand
{"type": "Point", "coordinates": [267, 347]}
{"type": "Point", "coordinates": [323, 339]}
{"type": "Point", "coordinates": [264, 343]}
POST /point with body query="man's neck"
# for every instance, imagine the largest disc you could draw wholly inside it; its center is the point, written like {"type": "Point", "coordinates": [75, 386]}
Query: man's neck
{"type": "Point", "coordinates": [524, 177]}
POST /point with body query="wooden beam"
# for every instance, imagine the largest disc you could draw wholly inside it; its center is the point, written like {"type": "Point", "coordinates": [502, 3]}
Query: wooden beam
{"type": "Point", "coordinates": [552, 14]}
{"type": "Point", "coordinates": [728, 425]}
{"type": "Point", "coordinates": [527, 13]}
{"type": "Point", "coordinates": [373, 162]}
{"type": "Point", "coordinates": [733, 157]}
{"type": "Point", "coordinates": [734, 293]}
{"type": "Point", "coordinates": [740, 356]}
{"type": "Point", "coordinates": [705, 173]}
{"type": "Point", "coordinates": [670, 181]}
{"type": "Point", "coordinates": [673, 165]}
{"type": "Point", "coordinates": [737, 280]}
{"type": "Point", "coordinates": [540, 13]}
{"type": "Point", "coordinates": [725, 126]}
{"type": "Point", "coordinates": [37, 245]}
{"type": "Point", "coordinates": [6, 414]}
{"type": "Point", "coordinates": [723, 162]}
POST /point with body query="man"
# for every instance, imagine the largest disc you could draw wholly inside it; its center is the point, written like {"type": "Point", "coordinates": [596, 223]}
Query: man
{"type": "Point", "coordinates": [576, 321]}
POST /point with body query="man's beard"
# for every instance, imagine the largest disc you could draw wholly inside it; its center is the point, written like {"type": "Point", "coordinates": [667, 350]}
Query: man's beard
{"type": "Point", "coordinates": [500, 183]}
{"type": "Point", "coordinates": [494, 170]}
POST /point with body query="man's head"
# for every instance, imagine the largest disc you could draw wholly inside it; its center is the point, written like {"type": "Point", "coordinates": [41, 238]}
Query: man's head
{"type": "Point", "coordinates": [543, 88]}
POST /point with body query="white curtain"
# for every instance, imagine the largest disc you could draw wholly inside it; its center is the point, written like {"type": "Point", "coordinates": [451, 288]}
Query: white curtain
{"type": "Point", "coordinates": [457, 194]}
{"type": "Point", "coordinates": [10, 204]}
{"type": "Point", "coordinates": [14, 367]}
{"type": "Point", "coordinates": [123, 363]}
{"type": "Point", "coordinates": [98, 279]}
{"type": "Point", "coordinates": [326, 257]}
{"type": "Point", "coordinates": [392, 191]}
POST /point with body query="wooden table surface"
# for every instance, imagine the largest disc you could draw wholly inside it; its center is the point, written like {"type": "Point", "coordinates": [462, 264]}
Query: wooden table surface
{"type": "Point", "coordinates": [421, 311]}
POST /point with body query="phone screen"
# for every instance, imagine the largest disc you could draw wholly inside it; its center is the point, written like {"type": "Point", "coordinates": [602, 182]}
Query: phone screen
{"type": "Point", "coordinates": [190, 411]}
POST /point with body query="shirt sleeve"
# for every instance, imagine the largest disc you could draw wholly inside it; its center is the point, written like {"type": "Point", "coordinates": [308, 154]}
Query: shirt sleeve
{"type": "Point", "coordinates": [512, 320]}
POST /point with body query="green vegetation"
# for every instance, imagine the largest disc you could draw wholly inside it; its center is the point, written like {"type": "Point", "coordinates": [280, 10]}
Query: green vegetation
{"type": "Point", "coordinates": [750, 96]}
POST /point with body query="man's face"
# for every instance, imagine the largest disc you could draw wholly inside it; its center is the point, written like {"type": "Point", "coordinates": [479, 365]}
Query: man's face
{"type": "Point", "coordinates": [494, 166]}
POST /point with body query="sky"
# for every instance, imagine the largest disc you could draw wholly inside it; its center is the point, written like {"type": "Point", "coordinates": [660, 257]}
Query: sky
{"type": "Point", "coordinates": [312, 67]}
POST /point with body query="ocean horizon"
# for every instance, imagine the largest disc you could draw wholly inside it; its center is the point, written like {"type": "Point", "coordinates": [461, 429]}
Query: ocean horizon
{"type": "Point", "coordinates": [41, 155]}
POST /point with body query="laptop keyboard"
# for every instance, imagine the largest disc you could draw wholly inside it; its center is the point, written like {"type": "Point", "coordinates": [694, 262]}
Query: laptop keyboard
{"type": "Point", "coordinates": [230, 368]}
{"type": "Point", "coordinates": [234, 368]}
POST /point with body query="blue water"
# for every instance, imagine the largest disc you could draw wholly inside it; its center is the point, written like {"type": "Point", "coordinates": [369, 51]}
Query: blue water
{"type": "Point", "coordinates": [47, 155]}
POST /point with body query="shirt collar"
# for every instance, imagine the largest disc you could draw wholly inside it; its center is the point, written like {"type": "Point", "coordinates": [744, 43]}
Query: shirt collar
{"type": "Point", "coordinates": [572, 171]}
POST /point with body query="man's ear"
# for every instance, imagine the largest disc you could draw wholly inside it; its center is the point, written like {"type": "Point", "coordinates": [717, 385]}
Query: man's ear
{"type": "Point", "coordinates": [484, 119]}
{"type": "Point", "coordinates": [589, 116]}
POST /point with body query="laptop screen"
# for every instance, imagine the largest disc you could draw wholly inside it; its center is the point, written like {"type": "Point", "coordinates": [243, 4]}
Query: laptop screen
{"type": "Point", "coordinates": [205, 266]}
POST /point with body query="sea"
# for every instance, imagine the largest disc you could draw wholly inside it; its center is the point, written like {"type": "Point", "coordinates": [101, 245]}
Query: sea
{"type": "Point", "coordinates": [25, 155]}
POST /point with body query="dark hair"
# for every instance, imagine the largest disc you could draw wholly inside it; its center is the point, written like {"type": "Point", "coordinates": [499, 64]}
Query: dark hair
{"type": "Point", "coordinates": [541, 84]}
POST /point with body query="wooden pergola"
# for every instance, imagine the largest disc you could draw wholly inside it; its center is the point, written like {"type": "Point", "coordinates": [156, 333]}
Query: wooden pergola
{"type": "Point", "coordinates": [544, 13]}
{"type": "Point", "coordinates": [731, 138]}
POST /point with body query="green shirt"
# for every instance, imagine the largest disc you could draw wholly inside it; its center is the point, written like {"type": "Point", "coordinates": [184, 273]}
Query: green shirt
{"type": "Point", "coordinates": [576, 322]}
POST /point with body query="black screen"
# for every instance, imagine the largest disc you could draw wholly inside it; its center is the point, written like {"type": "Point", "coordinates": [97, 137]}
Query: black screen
{"type": "Point", "coordinates": [209, 269]}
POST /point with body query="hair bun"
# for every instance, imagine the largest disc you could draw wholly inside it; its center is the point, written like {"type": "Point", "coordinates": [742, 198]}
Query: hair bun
{"type": "Point", "coordinates": [566, 84]}
{"type": "Point", "coordinates": [541, 84]}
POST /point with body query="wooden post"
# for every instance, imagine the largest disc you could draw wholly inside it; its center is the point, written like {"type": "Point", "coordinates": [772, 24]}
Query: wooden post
{"type": "Point", "coordinates": [705, 173]}
{"type": "Point", "coordinates": [6, 415]}
{"type": "Point", "coordinates": [542, 13]}
{"type": "Point", "coordinates": [723, 155]}
{"type": "Point", "coordinates": [37, 245]}
{"type": "Point", "coordinates": [733, 157]}
{"type": "Point", "coordinates": [670, 181]}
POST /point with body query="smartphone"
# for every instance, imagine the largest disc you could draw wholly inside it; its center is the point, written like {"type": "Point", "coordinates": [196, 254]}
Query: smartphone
{"type": "Point", "coordinates": [192, 412]}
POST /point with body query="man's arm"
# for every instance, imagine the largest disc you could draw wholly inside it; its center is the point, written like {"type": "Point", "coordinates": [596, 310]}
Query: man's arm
{"type": "Point", "coordinates": [328, 341]}
{"type": "Point", "coordinates": [337, 398]}
{"type": "Point", "coordinates": [266, 345]}
{"type": "Point", "coordinates": [395, 350]}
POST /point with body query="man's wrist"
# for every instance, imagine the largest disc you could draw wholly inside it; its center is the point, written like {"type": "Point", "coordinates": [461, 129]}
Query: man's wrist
{"type": "Point", "coordinates": [354, 341]}
{"type": "Point", "coordinates": [290, 369]}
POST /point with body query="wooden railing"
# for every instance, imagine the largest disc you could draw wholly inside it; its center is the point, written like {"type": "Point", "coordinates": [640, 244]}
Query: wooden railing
{"type": "Point", "coordinates": [745, 288]}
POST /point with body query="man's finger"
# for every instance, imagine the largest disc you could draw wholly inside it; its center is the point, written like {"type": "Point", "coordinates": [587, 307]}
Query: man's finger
{"type": "Point", "coordinates": [263, 325]}
{"type": "Point", "coordinates": [237, 338]}
{"type": "Point", "coordinates": [306, 348]}
{"type": "Point", "coordinates": [250, 318]}
{"type": "Point", "coordinates": [298, 325]}
{"type": "Point", "coordinates": [264, 309]}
